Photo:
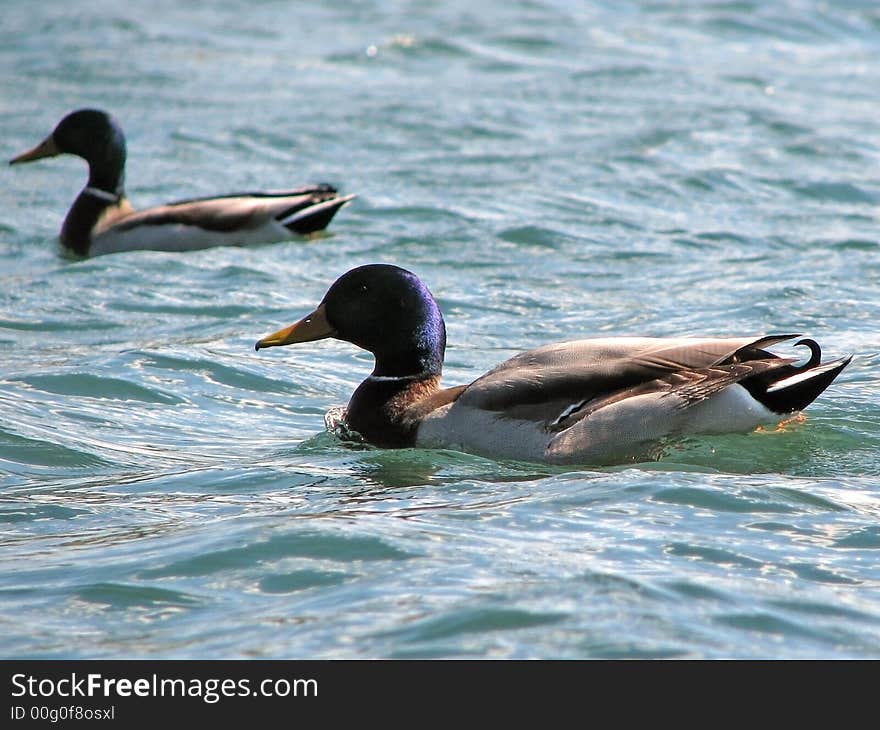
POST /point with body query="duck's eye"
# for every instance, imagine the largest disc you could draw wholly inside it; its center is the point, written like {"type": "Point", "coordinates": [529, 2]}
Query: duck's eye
{"type": "Point", "coordinates": [364, 288]}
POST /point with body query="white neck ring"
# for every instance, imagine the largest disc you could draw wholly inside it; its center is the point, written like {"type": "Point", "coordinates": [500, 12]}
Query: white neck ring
{"type": "Point", "coordinates": [101, 194]}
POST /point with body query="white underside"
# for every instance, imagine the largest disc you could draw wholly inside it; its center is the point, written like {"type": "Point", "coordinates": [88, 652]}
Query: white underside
{"type": "Point", "coordinates": [179, 237]}
{"type": "Point", "coordinates": [613, 434]}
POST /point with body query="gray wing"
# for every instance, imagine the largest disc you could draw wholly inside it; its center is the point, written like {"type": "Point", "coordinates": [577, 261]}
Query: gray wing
{"type": "Point", "coordinates": [232, 212]}
{"type": "Point", "coordinates": [322, 191]}
{"type": "Point", "coordinates": [541, 384]}
{"type": "Point", "coordinates": [686, 388]}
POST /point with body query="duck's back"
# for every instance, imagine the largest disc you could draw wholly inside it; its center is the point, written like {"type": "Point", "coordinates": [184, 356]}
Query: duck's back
{"type": "Point", "coordinates": [230, 220]}
{"type": "Point", "coordinates": [601, 399]}
{"type": "Point", "coordinates": [583, 368]}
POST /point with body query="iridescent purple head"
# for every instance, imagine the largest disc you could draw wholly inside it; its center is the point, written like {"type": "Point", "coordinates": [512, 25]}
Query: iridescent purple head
{"type": "Point", "coordinates": [383, 309]}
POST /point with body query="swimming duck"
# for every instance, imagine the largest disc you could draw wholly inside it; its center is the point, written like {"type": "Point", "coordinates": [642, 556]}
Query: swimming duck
{"type": "Point", "coordinates": [592, 401]}
{"type": "Point", "coordinates": [101, 219]}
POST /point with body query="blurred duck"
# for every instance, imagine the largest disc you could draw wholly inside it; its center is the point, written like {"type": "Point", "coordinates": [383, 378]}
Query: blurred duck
{"type": "Point", "coordinates": [594, 401]}
{"type": "Point", "coordinates": [101, 219]}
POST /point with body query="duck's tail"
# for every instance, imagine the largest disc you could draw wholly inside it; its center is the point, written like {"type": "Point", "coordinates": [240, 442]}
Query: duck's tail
{"type": "Point", "coordinates": [315, 214]}
{"type": "Point", "coordinates": [792, 388]}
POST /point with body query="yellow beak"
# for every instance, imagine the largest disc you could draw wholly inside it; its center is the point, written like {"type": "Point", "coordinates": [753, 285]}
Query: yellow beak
{"type": "Point", "coordinates": [312, 327]}
{"type": "Point", "coordinates": [46, 148]}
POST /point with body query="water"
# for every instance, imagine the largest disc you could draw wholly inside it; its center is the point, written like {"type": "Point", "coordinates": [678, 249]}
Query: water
{"type": "Point", "coordinates": [552, 170]}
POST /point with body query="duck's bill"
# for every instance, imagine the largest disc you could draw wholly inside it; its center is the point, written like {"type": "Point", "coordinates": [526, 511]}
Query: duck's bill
{"type": "Point", "coordinates": [46, 148]}
{"type": "Point", "coordinates": [313, 327]}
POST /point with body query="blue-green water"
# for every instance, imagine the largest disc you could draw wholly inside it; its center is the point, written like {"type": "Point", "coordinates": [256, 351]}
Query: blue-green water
{"type": "Point", "coordinates": [553, 170]}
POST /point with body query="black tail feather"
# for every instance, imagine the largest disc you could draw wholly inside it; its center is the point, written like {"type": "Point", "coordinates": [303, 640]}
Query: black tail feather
{"type": "Point", "coordinates": [792, 388]}
{"type": "Point", "coordinates": [815, 352]}
{"type": "Point", "coordinates": [314, 216]}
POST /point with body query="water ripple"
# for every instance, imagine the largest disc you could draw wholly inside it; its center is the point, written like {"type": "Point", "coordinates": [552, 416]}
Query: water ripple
{"type": "Point", "coordinates": [553, 171]}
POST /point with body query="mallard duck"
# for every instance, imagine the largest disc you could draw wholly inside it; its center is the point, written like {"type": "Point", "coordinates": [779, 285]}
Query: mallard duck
{"type": "Point", "coordinates": [101, 219]}
{"type": "Point", "coordinates": [593, 401]}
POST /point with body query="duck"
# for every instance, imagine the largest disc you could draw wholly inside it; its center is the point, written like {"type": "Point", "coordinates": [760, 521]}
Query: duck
{"type": "Point", "coordinates": [102, 220]}
{"type": "Point", "coordinates": [601, 401]}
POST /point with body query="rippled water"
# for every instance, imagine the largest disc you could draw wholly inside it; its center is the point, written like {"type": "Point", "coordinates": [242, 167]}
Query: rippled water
{"type": "Point", "coordinates": [553, 170]}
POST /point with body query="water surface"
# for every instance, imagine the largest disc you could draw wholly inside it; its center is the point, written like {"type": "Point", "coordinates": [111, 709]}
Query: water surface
{"type": "Point", "coordinates": [553, 170]}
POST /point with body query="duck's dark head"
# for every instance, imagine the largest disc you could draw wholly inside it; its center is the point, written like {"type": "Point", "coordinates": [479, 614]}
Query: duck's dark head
{"type": "Point", "coordinates": [91, 134]}
{"type": "Point", "coordinates": [383, 309]}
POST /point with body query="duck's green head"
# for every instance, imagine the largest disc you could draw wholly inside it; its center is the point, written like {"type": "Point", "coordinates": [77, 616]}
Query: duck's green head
{"type": "Point", "coordinates": [383, 309]}
{"type": "Point", "coordinates": [91, 134]}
